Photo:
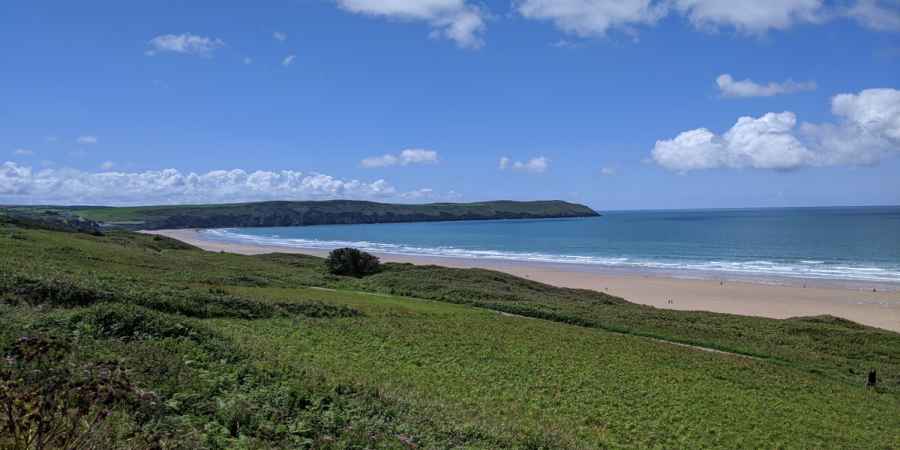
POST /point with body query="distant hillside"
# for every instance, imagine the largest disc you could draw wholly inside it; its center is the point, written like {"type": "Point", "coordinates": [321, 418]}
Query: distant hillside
{"type": "Point", "coordinates": [283, 213]}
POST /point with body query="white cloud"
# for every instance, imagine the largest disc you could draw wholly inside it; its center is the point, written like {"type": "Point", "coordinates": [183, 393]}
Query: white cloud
{"type": "Point", "coordinates": [729, 87]}
{"type": "Point", "coordinates": [187, 44]}
{"type": "Point", "coordinates": [608, 171]}
{"type": "Point", "coordinates": [248, 60]}
{"type": "Point", "coordinates": [754, 17]}
{"type": "Point", "coordinates": [418, 194]}
{"type": "Point", "coordinates": [23, 152]}
{"type": "Point", "coordinates": [87, 140]}
{"type": "Point", "coordinates": [20, 184]}
{"type": "Point", "coordinates": [279, 36]}
{"type": "Point", "coordinates": [380, 161]}
{"type": "Point", "coordinates": [867, 130]}
{"type": "Point", "coordinates": [288, 60]}
{"type": "Point", "coordinates": [107, 165]}
{"type": "Point", "coordinates": [456, 20]}
{"type": "Point", "coordinates": [877, 15]}
{"type": "Point", "coordinates": [428, 194]}
{"type": "Point", "coordinates": [404, 158]}
{"type": "Point", "coordinates": [538, 164]}
{"type": "Point", "coordinates": [593, 17]}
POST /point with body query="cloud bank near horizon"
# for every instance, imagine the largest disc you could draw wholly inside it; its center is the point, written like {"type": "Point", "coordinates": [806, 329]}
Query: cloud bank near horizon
{"type": "Point", "coordinates": [21, 184]}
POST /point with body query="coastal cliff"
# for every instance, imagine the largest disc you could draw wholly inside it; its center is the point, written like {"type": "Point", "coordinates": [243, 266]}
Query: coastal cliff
{"type": "Point", "coordinates": [286, 213]}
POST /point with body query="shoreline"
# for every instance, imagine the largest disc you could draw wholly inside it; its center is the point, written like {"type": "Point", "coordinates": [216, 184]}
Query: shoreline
{"type": "Point", "coordinates": [746, 297]}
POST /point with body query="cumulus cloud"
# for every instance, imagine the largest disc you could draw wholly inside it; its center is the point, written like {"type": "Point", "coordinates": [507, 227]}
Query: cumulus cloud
{"type": "Point", "coordinates": [87, 140]}
{"type": "Point", "coordinates": [404, 158]}
{"type": "Point", "coordinates": [107, 165]}
{"type": "Point", "coordinates": [729, 87]}
{"type": "Point", "coordinates": [279, 36]}
{"type": "Point", "coordinates": [23, 152]}
{"type": "Point", "coordinates": [288, 60]}
{"type": "Point", "coordinates": [187, 44]}
{"type": "Point", "coordinates": [866, 130]}
{"type": "Point", "coordinates": [538, 164]}
{"type": "Point", "coordinates": [608, 171]}
{"type": "Point", "coordinates": [593, 17]}
{"type": "Point", "coordinates": [22, 184]}
{"type": "Point", "coordinates": [456, 20]}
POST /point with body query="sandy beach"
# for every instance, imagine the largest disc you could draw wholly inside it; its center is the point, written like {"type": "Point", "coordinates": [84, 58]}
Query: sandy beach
{"type": "Point", "coordinates": [879, 309]}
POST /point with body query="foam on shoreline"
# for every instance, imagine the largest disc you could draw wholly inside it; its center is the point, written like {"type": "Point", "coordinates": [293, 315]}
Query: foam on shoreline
{"type": "Point", "coordinates": [747, 297]}
{"type": "Point", "coordinates": [753, 270]}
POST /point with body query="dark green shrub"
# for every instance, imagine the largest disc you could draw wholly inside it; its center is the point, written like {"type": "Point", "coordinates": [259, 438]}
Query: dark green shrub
{"type": "Point", "coordinates": [110, 320]}
{"type": "Point", "coordinates": [54, 291]}
{"type": "Point", "coordinates": [317, 310]}
{"type": "Point", "coordinates": [49, 402]}
{"type": "Point", "coordinates": [351, 262]}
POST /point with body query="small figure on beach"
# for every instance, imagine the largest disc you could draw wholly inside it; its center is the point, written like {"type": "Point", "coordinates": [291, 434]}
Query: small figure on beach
{"type": "Point", "coordinates": [873, 379]}
{"type": "Point", "coordinates": [874, 290]}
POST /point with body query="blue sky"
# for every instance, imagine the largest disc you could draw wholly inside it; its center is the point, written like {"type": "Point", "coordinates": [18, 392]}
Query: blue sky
{"type": "Point", "coordinates": [618, 105]}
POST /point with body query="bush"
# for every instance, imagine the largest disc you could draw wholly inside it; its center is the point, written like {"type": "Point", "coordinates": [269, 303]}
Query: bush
{"type": "Point", "coordinates": [51, 402]}
{"type": "Point", "coordinates": [352, 262]}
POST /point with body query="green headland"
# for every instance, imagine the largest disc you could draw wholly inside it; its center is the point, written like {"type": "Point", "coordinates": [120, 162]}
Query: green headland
{"type": "Point", "coordinates": [287, 213]}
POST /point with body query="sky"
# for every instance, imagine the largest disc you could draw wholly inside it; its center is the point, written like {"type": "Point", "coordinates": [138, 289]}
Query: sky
{"type": "Point", "coordinates": [626, 104]}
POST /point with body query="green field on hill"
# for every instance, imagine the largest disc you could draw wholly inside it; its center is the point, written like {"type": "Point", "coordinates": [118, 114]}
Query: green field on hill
{"type": "Point", "coordinates": [298, 213]}
{"type": "Point", "coordinates": [192, 349]}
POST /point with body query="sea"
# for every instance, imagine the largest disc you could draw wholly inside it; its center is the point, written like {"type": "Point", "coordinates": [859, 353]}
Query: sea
{"type": "Point", "coordinates": [852, 244]}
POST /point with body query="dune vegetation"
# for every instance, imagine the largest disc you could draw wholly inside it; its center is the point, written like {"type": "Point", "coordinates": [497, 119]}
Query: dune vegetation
{"type": "Point", "coordinates": [124, 340]}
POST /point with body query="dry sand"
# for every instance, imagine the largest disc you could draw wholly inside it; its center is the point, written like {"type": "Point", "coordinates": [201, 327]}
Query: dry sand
{"type": "Point", "coordinates": [879, 309]}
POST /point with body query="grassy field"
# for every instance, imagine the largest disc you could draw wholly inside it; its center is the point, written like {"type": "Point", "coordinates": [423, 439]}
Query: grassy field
{"type": "Point", "coordinates": [230, 351]}
{"type": "Point", "coordinates": [284, 213]}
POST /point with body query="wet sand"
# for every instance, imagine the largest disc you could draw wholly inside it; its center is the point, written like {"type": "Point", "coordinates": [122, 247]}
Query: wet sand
{"type": "Point", "coordinates": [791, 299]}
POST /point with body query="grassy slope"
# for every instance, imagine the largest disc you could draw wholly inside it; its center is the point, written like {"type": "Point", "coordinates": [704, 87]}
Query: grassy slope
{"type": "Point", "coordinates": [322, 212]}
{"type": "Point", "coordinates": [451, 374]}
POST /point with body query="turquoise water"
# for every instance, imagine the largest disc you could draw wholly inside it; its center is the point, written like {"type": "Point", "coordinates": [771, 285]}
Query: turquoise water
{"type": "Point", "coordinates": [856, 244]}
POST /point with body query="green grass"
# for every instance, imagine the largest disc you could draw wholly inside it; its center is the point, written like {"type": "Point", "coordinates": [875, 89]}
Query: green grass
{"type": "Point", "coordinates": [513, 378]}
{"type": "Point", "coordinates": [272, 352]}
